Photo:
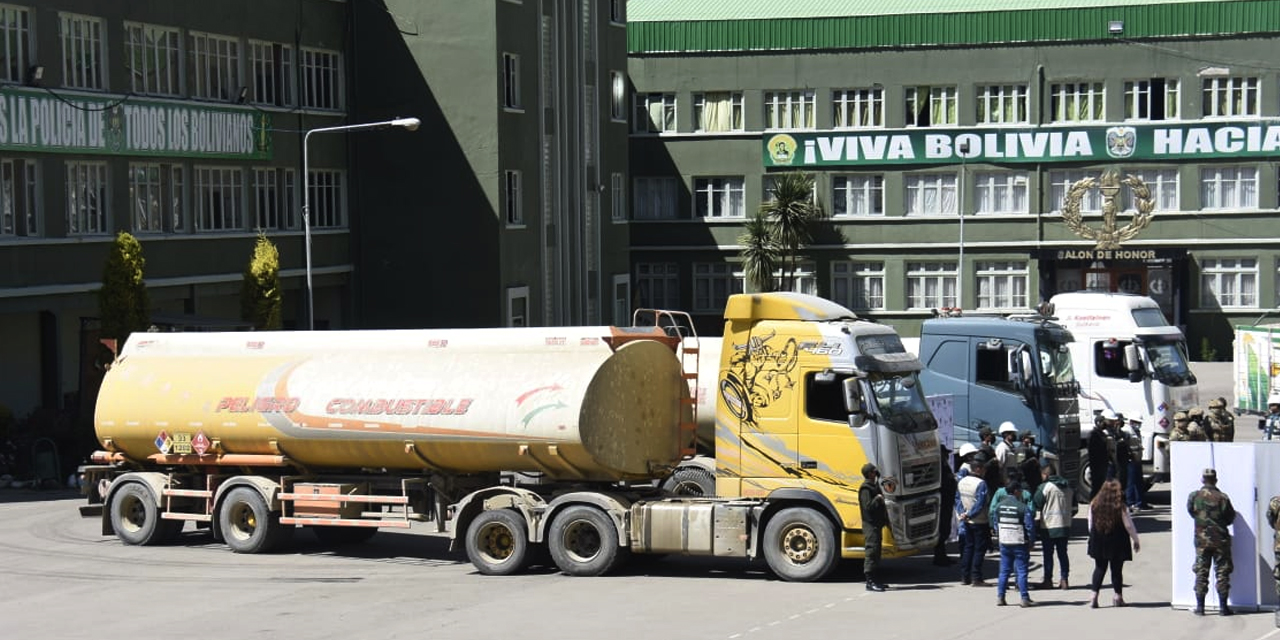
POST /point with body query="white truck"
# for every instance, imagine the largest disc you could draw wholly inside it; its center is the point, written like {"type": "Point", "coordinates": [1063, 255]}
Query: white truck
{"type": "Point", "coordinates": [1128, 358]}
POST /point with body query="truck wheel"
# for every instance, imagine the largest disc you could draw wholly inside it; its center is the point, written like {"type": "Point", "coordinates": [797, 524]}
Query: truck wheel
{"type": "Point", "coordinates": [800, 545]}
{"type": "Point", "coordinates": [498, 542]}
{"type": "Point", "coordinates": [338, 536]}
{"type": "Point", "coordinates": [136, 518]}
{"type": "Point", "coordinates": [690, 481]}
{"type": "Point", "coordinates": [583, 541]}
{"type": "Point", "coordinates": [247, 524]}
{"type": "Point", "coordinates": [1084, 486]}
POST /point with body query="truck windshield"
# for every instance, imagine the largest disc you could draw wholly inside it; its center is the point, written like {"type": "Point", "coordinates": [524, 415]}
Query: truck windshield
{"type": "Point", "coordinates": [901, 403]}
{"type": "Point", "coordinates": [1169, 362]}
{"type": "Point", "coordinates": [1055, 363]}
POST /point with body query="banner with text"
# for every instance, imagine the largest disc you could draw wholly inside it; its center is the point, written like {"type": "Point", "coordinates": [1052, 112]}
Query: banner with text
{"type": "Point", "coordinates": [34, 120]}
{"type": "Point", "coordinates": [1042, 144]}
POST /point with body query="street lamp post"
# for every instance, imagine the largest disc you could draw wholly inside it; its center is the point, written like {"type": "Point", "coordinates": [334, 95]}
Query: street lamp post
{"type": "Point", "coordinates": [410, 124]}
{"type": "Point", "coordinates": [963, 151]}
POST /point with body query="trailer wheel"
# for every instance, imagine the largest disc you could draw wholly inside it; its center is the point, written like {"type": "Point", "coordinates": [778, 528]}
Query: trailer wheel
{"type": "Point", "coordinates": [339, 536]}
{"type": "Point", "coordinates": [136, 518]}
{"type": "Point", "coordinates": [498, 542]}
{"type": "Point", "coordinates": [690, 481]}
{"type": "Point", "coordinates": [584, 542]}
{"type": "Point", "coordinates": [248, 526]}
{"type": "Point", "coordinates": [800, 545]}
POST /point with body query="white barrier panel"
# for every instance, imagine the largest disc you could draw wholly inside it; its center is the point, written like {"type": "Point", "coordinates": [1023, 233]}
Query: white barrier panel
{"type": "Point", "coordinates": [1247, 472]}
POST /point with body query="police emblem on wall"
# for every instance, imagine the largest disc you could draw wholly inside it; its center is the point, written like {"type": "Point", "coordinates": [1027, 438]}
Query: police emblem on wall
{"type": "Point", "coordinates": [1109, 236]}
{"type": "Point", "coordinates": [782, 149]}
{"type": "Point", "coordinates": [1121, 141]}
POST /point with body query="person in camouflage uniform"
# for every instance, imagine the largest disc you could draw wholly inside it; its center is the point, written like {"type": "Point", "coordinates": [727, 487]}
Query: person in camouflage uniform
{"type": "Point", "coordinates": [1179, 431]}
{"type": "Point", "coordinates": [1273, 517]}
{"type": "Point", "coordinates": [1222, 425]}
{"type": "Point", "coordinates": [1196, 425]}
{"type": "Point", "coordinates": [1212, 511]}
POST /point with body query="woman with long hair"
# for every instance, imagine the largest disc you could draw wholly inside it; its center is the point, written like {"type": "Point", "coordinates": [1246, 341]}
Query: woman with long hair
{"type": "Point", "coordinates": [1110, 531]}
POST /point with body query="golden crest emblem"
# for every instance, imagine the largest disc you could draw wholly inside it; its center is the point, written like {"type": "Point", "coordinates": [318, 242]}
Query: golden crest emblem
{"type": "Point", "coordinates": [1109, 236]}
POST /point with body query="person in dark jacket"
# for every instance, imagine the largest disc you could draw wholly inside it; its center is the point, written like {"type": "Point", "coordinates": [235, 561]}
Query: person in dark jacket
{"type": "Point", "coordinates": [874, 517]}
{"type": "Point", "coordinates": [1028, 456]}
{"type": "Point", "coordinates": [1101, 448]}
{"type": "Point", "coordinates": [1110, 532]}
{"type": "Point", "coordinates": [946, 503]}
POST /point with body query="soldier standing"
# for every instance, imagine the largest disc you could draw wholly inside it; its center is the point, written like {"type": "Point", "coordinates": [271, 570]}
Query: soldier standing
{"type": "Point", "coordinates": [1271, 424]}
{"type": "Point", "coordinates": [1222, 425]}
{"type": "Point", "coordinates": [1273, 517]}
{"type": "Point", "coordinates": [1196, 425]}
{"type": "Point", "coordinates": [874, 518]}
{"type": "Point", "coordinates": [1179, 431]}
{"type": "Point", "coordinates": [1211, 509]}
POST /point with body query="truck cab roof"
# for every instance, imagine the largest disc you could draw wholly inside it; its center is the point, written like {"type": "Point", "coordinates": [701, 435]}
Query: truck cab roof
{"type": "Point", "coordinates": [1023, 328]}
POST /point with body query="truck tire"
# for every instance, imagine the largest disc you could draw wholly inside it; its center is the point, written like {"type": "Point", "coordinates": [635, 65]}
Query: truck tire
{"type": "Point", "coordinates": [248, 526]}
{"type": "Point", "coordinates": [339, 536]}
{"type": "Point", "coordinates": [694, 482]}
{"type": "Point", "coordinates": [136, 518]}
{"type": "Point", "coordinates": [800, 545]}
{"type": "Point", "coordinates": [498, 542]}
{"type": "Point", "coordinates": [1084, 485]}
{"type": "Point", "coordinates": [583, 541]}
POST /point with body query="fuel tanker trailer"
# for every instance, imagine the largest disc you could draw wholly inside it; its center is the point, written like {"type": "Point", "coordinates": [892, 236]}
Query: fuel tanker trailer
{"type": "Point", "coordinates": [568, 439]}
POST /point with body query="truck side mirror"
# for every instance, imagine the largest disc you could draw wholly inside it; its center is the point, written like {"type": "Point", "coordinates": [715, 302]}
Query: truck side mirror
{"type": "Point", "coordinates": [1133, 363]}
{"type": "Point", "coordinates": [852, 396]}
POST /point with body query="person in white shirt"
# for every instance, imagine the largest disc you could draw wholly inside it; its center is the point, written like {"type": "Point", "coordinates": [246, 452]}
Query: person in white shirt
{"type": "Point", "coordinates": [1006, 451]}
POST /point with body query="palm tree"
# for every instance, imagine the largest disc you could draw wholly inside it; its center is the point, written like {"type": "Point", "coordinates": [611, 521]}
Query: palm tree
{"type": "Point", "coordinates": [760, 253]}
{"type": "Point", "coordinates": [791, 214]}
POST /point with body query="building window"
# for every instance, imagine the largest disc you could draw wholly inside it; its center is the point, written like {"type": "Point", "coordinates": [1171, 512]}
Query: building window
{"type": "Point", "coordinates": [1060, 183]}
{"type": "Point", "coordinates": [1229, 96]}
{"type": "Point", "coordinates": [328, 199]}
{"type": "Point", "coordinates": [769, 186]}
{"type": "Point", "coordinates": [717, 111]}
{"type": "Point", "coordinates": [154, 58]}
{"type": "Point", "coordinates": [1229, 282]}
{"type": "Point", "coordinates": [269, 199]}
{"type": "Point", "coordinates": [517, 306]}
{"type": "Point", "coordinates": [1229, 188]}
{"type": "Point", "coordinates": [719, 198]}
{"type": "Point", "coordinates": [857, 195]}
{"type": "Point", "coordinates": [1163, 184]}
{"type": "Point", "coordinates": [618, 196]}
{"type": "Point", "coordinates": [857, 108]}
{"type": "Point", "coordinates": [321, 78]}
{"type": "Point", "coordinates": [618, 96]}
{"type": "Point", "coordinates": [658, 285]}
{"type": "Point", "coordinates": [616, 15]}
{"type": "Point", "coordinates": [931, 193]}
{"type": "Point", "coordinates": [789, 110]}
{"type": "Point", "coordinates": [88, 203]}
{"type": "Point", "coordinates": [655, 112]}
{"type": "Point", "coordinates": [803, 279]}
{"type": "Point", "coordinates": [1002, 104]}
{"type": "Point", "coordinates": [512, 197]}
{"type": "Point", "coordinates": [713, 283]}
{"type": "Point", "coordinates": [18, 211]}
{"type": "Point", "coordinates": [654, 198]}
{"type": "Point", "coordinates": [858, 285]}
{"type": "Point", "coordinates": [15, 36]}
{"type": "Point", "coordinates": [271, 70]}
{"type": "Point", "coordinates": [156, 196]}
{"type": "Point", "coordinates": [931, 106]}
{"type": "Point", "coordinates": [1154, 99]}
{"type": "Point", "coordinates": [931, 285]}
{"type": "Point", "coordinates": [511, 81]}
{"type": "Point", "coordinates": [1077, 102]}
{"type": "Point", "coordinates": [84, 45]}
{"type": "Point", "coordinates": [621, 300]}
{"type": "Point", "coordinates": [1002, 285]}
{"type": "Point", "coordinates": [219, 199]}
{"type": "Point", "coordinates": [215, 66]}
{"type": "Point", "coordinates": [1001, 192]}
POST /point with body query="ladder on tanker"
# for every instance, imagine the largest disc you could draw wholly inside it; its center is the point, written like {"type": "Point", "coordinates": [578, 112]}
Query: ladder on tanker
{"type": "Point", "coordinates": [679, 325]}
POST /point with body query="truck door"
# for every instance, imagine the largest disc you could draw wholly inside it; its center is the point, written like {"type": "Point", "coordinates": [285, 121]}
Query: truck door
{"type": "Point", "coordinates": [830, 450]}
{"type": "Point", "coordinates": [947, 373]}
{"type": "Point", "coordinates": [996, 395]}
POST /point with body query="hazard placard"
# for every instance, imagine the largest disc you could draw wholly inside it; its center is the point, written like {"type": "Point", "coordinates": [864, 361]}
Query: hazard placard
{"type": "Point", "coordinates": [200, 443]}
{"type": "Point", "coordinates": [182, 443]}
{"type": "Point", "coordinates": [163, 443]}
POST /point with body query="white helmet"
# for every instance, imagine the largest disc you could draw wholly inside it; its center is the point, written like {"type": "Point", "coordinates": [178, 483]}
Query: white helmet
{"type": "Point", "coordinates": [1274, 399]}
{"type": "Point", "coordinates": [1008, 427]}
{"type": "Point", "coordinates": [1108, 414]}
{"type": "Point", "coordinates": [967, 449]}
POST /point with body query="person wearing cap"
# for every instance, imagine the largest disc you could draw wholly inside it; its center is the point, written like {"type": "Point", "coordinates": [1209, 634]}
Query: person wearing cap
{"type": "Point", "coordinates": [1016, 533]}
{"type": "Point", "coordinates": [971, 511]}
{"type": "Point", "coordinates": [1102, 447]}
{"type": "Point", "coordinates": [1213, 514]}
{"type": "Point", "coordinates": [1179, 431]}
{"type": "Point", "coordinates": [946, 504]}
{"type": "Point", "coordinates": [1222, 425]}
{"type": "Point", "coordinates": [1053, 499]}
{"type": "Point", "coordinates": [1006, 450]}
{"type": "Point", "coordinates": [874, 518]}
{"type": "Point", "coordinates": [1196, 425]}
{"type": "Point", "coordinates": [1271, 424]}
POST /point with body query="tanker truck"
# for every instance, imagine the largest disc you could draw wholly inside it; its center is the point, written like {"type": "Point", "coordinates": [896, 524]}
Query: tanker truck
{"type": "Point", "coordinates": [519, 442]}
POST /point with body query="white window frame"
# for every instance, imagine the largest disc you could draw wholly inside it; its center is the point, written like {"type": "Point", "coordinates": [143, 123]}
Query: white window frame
{"type": "Point", "coordinates": [19, 198]}
{"type": "Point", "coordinates": [644, 105]}
{"type": "Point", "coordinates": [857, 195]}
{"type": "Point", "coordinates": [858, 285]}
{"type": "Point", "coordinates": [15, 43]}
{"type": "Point", "coordinates": [990, 276]}
{"type": "Point", "coordinates": [328, 198]}
{"type": "Point", "coordinates": [511, 82]}
{"type": "Point", "coordinates": [88, 196]}
{"type": "Point", "coordinates": [1163, 184]}
{"type": "Point", "coordinates": [1083, 101]}
{"type": "Point", "coordinates": [713, 283]}
{"type": "Point", "coordinates": [942, 187]}
{"type": "Point", "coordinates": [1151, 97]}
{"type": "Point", "coordinates": [513, 197]}
{"type": "Point", "coordinates": [1229, 283]}
{"type": "Point", "coordinates": [719, 197]}
{"type": "Point", "coordinates": [157, 196]}
{"type": "Point", "coordinates": [618, 197]}
{"type": "Point", "coordinates": [1060, 182]}
{"type": "Point", "coordinates": [218, 195]}
{"type": "Point", "coordinates": [1219, 96]}
{"type": "Point", "coordinates": [803, 280]}
{"type": "Point", "coordinates": [517, 307]}
{"type": "Point", "coordinates": [84, 51]}
{"type": "Point", "coordinates": [271, 73]}
{"type": "Point", "coordinates": [857, 108]}
{"type": "Point", "coordinates": [1003, 104]}
{"type": "Point", "coordinates": [617, 96]}
{"type": "Point", "coordinates": [154, 58]}
{"type": "Point", "coordinates": [791, 109]}
{"type": "Point", "coordinates": [1227, 188]}
{"type": "Point", "coordinates": [658, 275]}
{"type": "Point", "coordinates": [943, 104]}
{"type": "Point", "coordinates": [1001, 192]}
{"type": "Point", "coordinates": [942, 277]}
{"type": "Point", "coordinates": [215, 66]}
{"type": "Point", "coordinates": [702, 117]}
{"type": "Point", "coordinates": [323, 80]}
{"type": "Point", "coordinates": [655, 198]}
